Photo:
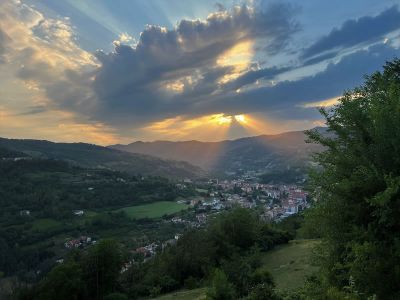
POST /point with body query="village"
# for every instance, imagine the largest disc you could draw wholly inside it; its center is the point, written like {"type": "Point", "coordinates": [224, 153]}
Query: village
{"type": "Point", "coordinates": [273, 203]}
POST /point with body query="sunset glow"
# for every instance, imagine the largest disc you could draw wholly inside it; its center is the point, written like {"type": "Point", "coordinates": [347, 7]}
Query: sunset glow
{"type": "Point", "coordinates": [145, 70]}
{"type": "Point", "coordinates": [221, 119]}
{"type": "Point", "coordinates": [241, 119]}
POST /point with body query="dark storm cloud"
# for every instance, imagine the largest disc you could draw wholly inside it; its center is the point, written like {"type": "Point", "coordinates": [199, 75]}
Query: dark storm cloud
{"type": "Point", "coordinates": [254, 75]}
{"type": "Point", "coordinates": [131, 80]}
{"type": "Point", "coordinates": [285, 100]}
{"type": "Point", "coordinates": [354, 32]}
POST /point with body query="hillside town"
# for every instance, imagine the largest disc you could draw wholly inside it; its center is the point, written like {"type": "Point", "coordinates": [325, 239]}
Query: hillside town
{"type": "Point", "coordinates": [273, 202]}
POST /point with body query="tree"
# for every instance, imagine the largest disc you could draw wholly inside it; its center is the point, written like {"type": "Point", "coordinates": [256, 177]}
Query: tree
{"type": "Point", "coordinates": [102, 267]}
{"type": "Point", "coordinates": [358, 188]}
{"type": "Point", "coordinates": [221, 289]}
{"type": "Point", "coordinates": [234, 230]}
{"type": "Point", "coordinates": [63, 282]}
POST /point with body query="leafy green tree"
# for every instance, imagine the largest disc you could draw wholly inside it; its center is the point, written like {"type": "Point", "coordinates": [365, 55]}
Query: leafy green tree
{"type": "Point", "coordinates": [235, 230]}
{"type": "Point", "coordinates": [64, 282]}
{"type": "Point", "coordinates": [102, 268]}
{"type": "Point", "coordinates": [358, 188]}
{"type": "Point", "coordinates": [221, 288]}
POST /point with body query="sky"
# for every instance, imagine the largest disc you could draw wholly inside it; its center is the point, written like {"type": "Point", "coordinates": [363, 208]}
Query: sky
{"type": "Point", "coordinates": [108, 72]}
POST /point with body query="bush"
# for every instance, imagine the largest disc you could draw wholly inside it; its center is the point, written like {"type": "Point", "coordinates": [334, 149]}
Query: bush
{"type": "Point", "coordinates": [221, 288]}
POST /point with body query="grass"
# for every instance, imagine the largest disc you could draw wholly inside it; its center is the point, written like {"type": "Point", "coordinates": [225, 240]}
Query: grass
{"type": "Point", "coordinates": [196, 294]}
{"type": "Point", "coordinates": [45, 224]}
{"type": "Point", "coordinates": [290, 264]}
{"type": "Point", "coordinates": [153, 210]}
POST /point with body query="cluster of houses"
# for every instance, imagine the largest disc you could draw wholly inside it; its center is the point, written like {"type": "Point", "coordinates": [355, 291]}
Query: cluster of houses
{"type": "Point", "coordinates": [80, 242]}
{"type": "Point", "coordinates": [151, 250]}
{"type": "Point", "coordinates": [148, 250]}
{"type": "Point", "coordinates": [279, 201]}
{"type": "Point", "coordinates": [292, 201]}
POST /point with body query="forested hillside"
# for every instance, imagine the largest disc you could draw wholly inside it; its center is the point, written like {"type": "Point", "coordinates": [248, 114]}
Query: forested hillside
{"type": "Point", "coordinates": [93, 156]}
{"type": "Point", "coordinates": [41, 201]}
{"type": "Point", "coordinates": [277, 156]}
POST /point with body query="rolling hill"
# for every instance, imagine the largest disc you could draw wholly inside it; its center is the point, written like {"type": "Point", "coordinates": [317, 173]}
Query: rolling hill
{"type": "Point", "coordinates": [93, 156]}
{"type": "Point", "coordinates": [263, 154]}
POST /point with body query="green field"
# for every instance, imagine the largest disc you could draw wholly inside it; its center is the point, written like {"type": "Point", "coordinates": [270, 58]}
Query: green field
{"type": "Point", "coordinates": [290, 264]}
{"type": "Point", "coordinates": [197, 294]}
{"type": "Point", "coordinates": [153, 210]}
{"type": "Point", "coordinates": [44, 224]}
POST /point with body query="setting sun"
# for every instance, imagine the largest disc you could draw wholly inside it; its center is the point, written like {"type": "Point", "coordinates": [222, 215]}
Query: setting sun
{"type": "Point", "coordinates": [222, 119]}
{"type": "Point", "coordinates": [241, 118]}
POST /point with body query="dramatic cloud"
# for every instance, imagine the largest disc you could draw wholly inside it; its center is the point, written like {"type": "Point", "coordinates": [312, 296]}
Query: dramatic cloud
{"type": "Point", "coordinates": [170, 70]}
{"type": "Point", "coordinates": [354, 32]}
{"type": "Point", "coordinates": [170, 82]}
{"type": "Point", "coordinates": [288, 99]}
{"type": "Point", "coordinates": [40, 55]}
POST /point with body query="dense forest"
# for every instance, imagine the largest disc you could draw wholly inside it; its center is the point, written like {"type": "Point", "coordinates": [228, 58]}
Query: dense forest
{"type": "Point", "coordinates": [54, 188]}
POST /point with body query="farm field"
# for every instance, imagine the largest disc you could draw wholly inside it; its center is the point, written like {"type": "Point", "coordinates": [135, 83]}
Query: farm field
{"type": "Point", "coordinates": [290, 264]}
{"type": "Point", "coordinates": [153, 210]}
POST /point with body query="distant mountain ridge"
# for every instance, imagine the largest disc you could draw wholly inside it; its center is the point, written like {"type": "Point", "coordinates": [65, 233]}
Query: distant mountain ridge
{"type": "Point", "coordinates": [93, 156]}
{"type": "Point", "coordinates": [264, 153]}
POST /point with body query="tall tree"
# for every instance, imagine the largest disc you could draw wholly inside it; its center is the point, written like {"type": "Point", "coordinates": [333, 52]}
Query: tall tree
{"type": "Point", "coordinates": [102, 268]}
{"type": "Point", "coordinates": [64, 282]}
{"type": "Point", "coordinates": [358, 188]}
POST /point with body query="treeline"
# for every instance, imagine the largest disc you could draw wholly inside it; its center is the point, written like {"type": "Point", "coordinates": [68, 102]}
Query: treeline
{"type": "Point", "coordinates": [52, 188]}
{"type": "Point", "coordinates": [225, 256]}
{"type": "Point", "coordinates": [357, 213]}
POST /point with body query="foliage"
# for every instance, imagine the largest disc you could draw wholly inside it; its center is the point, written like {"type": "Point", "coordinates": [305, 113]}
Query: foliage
{"type": "Point", "coordinates": [284, 175]}
{"type": "Point", "coordinates": [221, 288]}
{"type": "Point", "coordinates": [91, 276]}
{"type": "Point", "coordinates": [96, 273]}
{"type": "Point", "coordinates": [229, 243]}
{"type": "Point", "coordinates": [358, 189]}
{"type": "Point", "coordinates": [64, 282]}
{"type": "Point", "coordinates": [38, 197]}
{"type": "Point", "coordinates": [102, 268]}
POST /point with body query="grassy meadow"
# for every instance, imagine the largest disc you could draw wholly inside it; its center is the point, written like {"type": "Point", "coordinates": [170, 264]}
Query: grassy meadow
{"type": "Point", "coordinates": [290, 264]}
{"type": "Point", "coordinates": [153, 210]}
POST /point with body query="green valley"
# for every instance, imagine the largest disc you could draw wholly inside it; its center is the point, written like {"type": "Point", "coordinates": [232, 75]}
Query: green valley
{"type": "Point", "coordinates": [153, 210]}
